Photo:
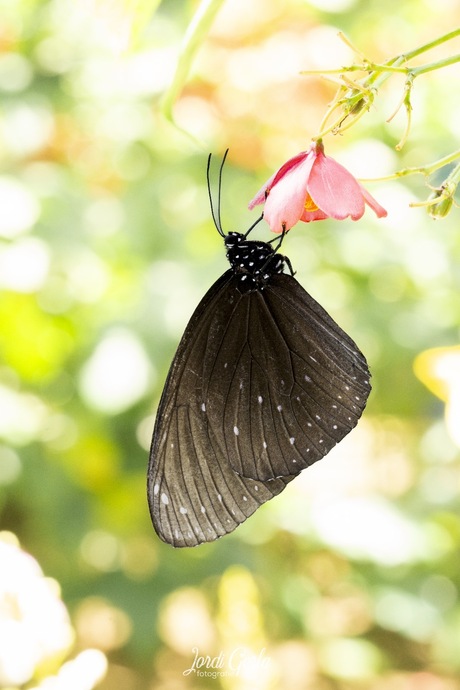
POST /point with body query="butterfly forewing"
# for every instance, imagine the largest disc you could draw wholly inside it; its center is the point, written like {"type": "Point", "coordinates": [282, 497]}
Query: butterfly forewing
{"type": "Point", "coordinates": [194, 494]}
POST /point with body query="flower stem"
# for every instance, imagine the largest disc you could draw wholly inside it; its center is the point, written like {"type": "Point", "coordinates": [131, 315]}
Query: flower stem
{"type": "Point", "coordinates": [353, 98]}
{"type": "Point", "coordinates": [432, 44]}
{"type": "Point", "coordinates": [423, 69]}
{"type": "Point", "coordinates": [194, 37]}
{"type": "Point", "coordinates": [441, 200]}
{"type": "Point", "coordinates": [425, 170]}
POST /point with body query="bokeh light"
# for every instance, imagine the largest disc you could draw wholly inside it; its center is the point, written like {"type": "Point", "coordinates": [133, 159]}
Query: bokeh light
{"type": "Point", "coordinates": [35, 629]}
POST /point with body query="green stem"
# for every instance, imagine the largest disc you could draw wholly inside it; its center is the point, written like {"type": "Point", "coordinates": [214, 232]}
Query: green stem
{"type": "Point", "coordinates": [377, 75]}
{"type": "Point", "coordinates": [434, 65]}
{"type": "Point", "coordinates": [389, 66]}
{"type": "Point", "coordinates": [422, 170]}
{"type": "Point", "coordinates": [379, 78]}
{"type": "Point", "coordinates": [452, 180]}
{"type": "Point", "coordinates": [432, 44]}
{"type": "Point", "coordinates": [454, 176]}
{"type": "Point", "coordinates": [441, 199]}
{"type": "Point", "coordinates": [194, 37]}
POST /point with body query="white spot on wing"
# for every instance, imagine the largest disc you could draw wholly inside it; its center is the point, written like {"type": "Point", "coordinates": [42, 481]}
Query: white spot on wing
{"type": "Point", "coordinates": [164, 499]}
{"type": "Point", "coordinates": [259, 399]}
{"type": "Point", "coordinates": [292, 440]}
{"type": "Point", "coordinates": [203, 407]}
{"type": "Point", "coordinates": [156, 489]}
{"type": "Point", "coordinates": [183, 510]}
{"type": "Point", "coordinates": [203, 509]}
{"type": "Point", "coordinates": [236, 431]}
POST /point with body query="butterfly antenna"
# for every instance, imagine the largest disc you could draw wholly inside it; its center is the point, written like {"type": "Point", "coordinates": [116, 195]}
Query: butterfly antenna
{"type": "Point", "coordinates": [211, 203]}
{"type": "Point", "coordinates": [216, 215]}
{"type": "Point", "coordinates": [219, 193]}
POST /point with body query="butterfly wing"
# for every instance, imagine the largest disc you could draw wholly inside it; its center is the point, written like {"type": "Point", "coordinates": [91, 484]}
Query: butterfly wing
{"type": "Point", "coordinates": [297, 385]}
{"type": "Point", "coordinates": [194, 494]}
{"type": "Point", "coordinates": [263, 384]}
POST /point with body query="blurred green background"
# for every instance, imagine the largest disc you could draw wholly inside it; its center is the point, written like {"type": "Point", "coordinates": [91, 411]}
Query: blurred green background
{"type": "Point", "coordinates": [348, 580]}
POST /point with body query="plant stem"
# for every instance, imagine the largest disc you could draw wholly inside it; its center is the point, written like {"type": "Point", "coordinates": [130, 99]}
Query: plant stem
{"type": "Point", "coordinates": [434, 65]}
{"type": "Point", "coordinates": [422, 170]}
{"type": "Point", "coordinates": [432, 44]}
{"type": "Point", "coordinates": [193, 39]}
{"type": "Point", "coordinates": [354, 98]}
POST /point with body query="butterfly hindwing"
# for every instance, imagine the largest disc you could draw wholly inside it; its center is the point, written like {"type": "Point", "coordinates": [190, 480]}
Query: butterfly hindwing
{"type": "Point", "coordinates": [297, 385]}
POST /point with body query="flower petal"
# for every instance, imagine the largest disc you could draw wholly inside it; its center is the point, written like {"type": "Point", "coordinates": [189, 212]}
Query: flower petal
{"type": "Point", "coordinates": [293, 162]}
{"type": "Point", "coordinates": [262, 193]}
{"type": "Point", "coordinates": [375, 206]}
{"type": "Point", "coordinates": [285, 168]}
{"type": "Point", "coordinates": [334, 190]}
{"type": "Point", "coordinates": [286, 201]}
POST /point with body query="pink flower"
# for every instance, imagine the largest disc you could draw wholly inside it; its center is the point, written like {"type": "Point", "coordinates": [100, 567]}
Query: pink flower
{"type": "Point", "coordinates": [312, 186]}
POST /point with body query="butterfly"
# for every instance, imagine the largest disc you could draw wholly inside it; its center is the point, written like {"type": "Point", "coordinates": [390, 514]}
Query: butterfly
{"type": "Point", "coordinates": [263, 384]}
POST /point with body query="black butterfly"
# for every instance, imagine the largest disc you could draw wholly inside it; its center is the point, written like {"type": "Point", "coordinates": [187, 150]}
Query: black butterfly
{"type": "Point", "coordinates": [264, 383]}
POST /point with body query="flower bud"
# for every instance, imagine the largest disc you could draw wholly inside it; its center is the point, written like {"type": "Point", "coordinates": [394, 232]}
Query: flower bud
{"type": "Point", "coordinates": [445, 197]}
